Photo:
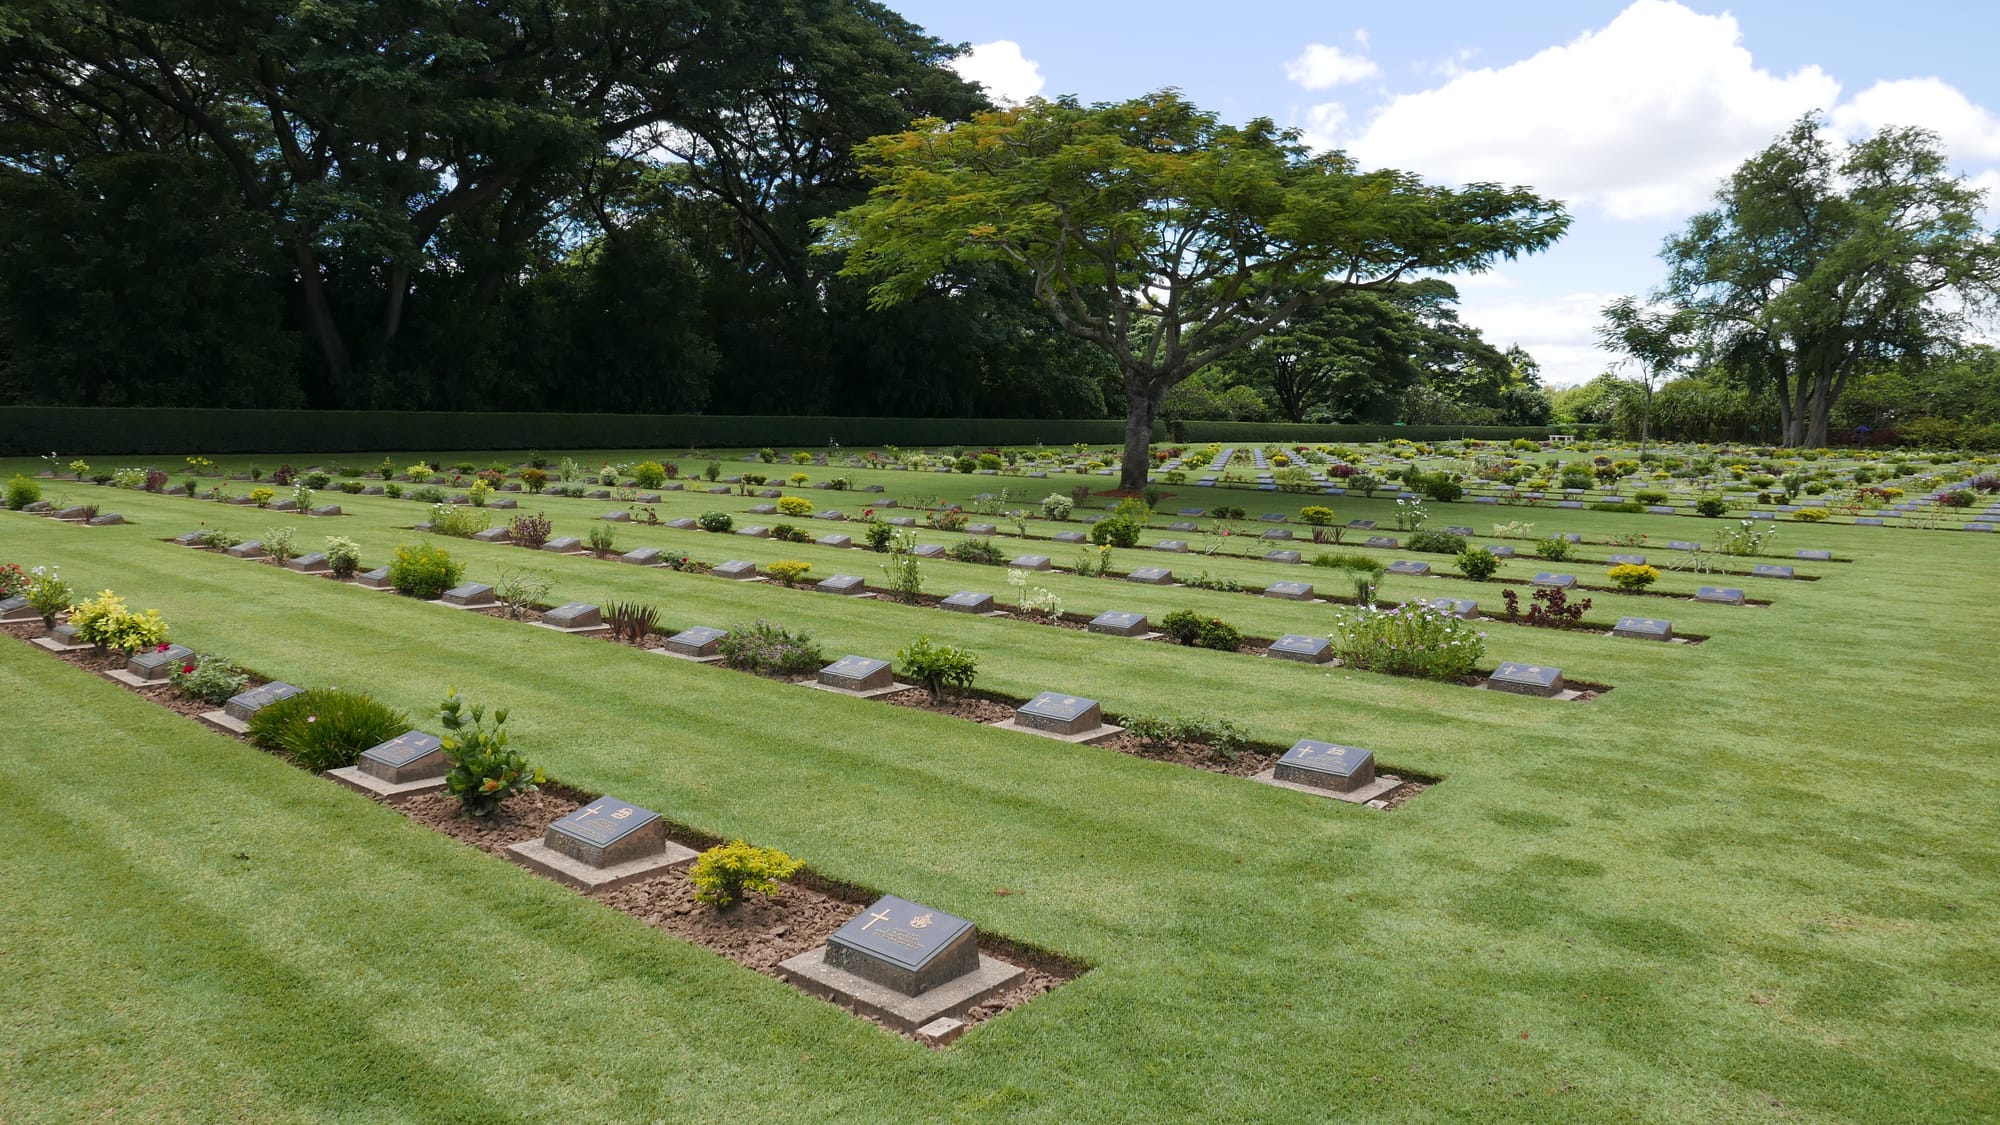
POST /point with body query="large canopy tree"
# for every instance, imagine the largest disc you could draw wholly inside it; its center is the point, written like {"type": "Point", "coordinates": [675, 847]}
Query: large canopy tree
{"type": "Point", "coordinates": [1815, 264]}
{"type": "Point", "coordinates": [1161, 235]}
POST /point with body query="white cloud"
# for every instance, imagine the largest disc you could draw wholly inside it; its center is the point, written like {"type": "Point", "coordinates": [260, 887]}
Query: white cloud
{"type": "Point", "coordinates": [999, 66]}
{"type": "Point", "coordinates": [1969, 131]}
{"type": "Point", "coordinates": [1641, 118]}
{"type": "Point", "coordinates": [1322, 67]}
{"type": "Point", "coordinates": [1323, 125]}
{"type": "Point", "coordinates": [1560, 332]}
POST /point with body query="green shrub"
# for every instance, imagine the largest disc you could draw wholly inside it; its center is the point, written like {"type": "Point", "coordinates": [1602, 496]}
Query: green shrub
{"type": "Point", "coordinates": [1056, 506]}
{"type": "Point", "coordinates": [603, 540]}
{"type": "Point", "coordinates": [795, 506]}
{"type": "Point", "coordinates": [1206, 581]}
{"type": "Point", "coordinates": [279, 544]}
{"type": "Point", "coordinates": [484, 771]}
{"type": "Point", "coordinates": [1437, 486]}
{"type": "Point", "coordinates": [22, 491]}
{"type": "Point", "coordinates": [714, 521]}
{"type": "Point", "coordinates": [789, 571]}
{"type": "Point", "coordinates": [1650, 496]}
{"type": "Point", "coordinates": [104, 620]}
{"type": "Point", "coordinates": [1316, 516]}
{"type": "Point", "coordinates": [326, 728]}
{"type": "Point", "coordinates": [1410, 640]}
{"type": "Point", "coordinates": [1187, 627]}
{"type": "Point", "coordinates": [424, 571]}
{"type": "Point", "coordinates": [939, 668]}
{"type": "Point", "coordinates": [877, 535]}
{"type": "Point", "coordinates": [721, 874]}
{"type": "Point", "coordinates": [975, 550]}
{"type": "Point", "coordinates": [1554, 548]}
{"type": "Point", "coordinates": [649, 474]}
{"type": "Point", "coordinates": [207, 679]}
{"type": "Point", "coordinates": [1436, 542]}
{"type": "Point", "coordinates": [343, 556]}
{"type": "Point", "coordinates": [765, 647]}
{"type": "Point", "coordinates": [1166, 733]}
{"type": "Point", "coordinates": [1346, 560]}
{"type": "Point", "coordinates": [457, 522]}
{"type": "Point", "coordinates": [1633, 576]}
{"type": "Point", "coordinates": [1711, 506]}
{"type": "Point", "coordinates": [1478, 563]}
{"type": "Point", "coordinates": [1811, 515]}
{"type": "Point", "coordinates": [989, 461]}
{"type": "Point", "coordinates": [965, 464]}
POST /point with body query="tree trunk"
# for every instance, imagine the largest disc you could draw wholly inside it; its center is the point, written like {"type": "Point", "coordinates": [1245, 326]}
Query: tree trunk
{"type": "Point", "coordinates": [319, 315]}
{"type": "Point", "coordinates": [1142, 406]}
{"type": "Point", "coordinates": [1822, 408]}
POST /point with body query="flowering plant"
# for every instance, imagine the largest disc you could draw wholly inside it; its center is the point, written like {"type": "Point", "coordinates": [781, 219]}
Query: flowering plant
{"type": "Point", "coordinates": [1410, 640]}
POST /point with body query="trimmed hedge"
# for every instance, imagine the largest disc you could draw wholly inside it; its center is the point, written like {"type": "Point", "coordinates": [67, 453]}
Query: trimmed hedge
{"type": "Point", "coordinates": [34, 430]}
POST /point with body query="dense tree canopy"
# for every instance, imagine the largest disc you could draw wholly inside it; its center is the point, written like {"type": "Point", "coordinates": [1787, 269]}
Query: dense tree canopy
{"type": "Point", "coordinates": [1161, 235]}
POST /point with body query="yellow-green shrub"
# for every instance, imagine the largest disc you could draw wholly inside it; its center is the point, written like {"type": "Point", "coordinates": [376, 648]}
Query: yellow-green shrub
{"type": "Point", "coordinates": [1811, 515]}
{"type": "Point", "coordinates": [724, 872]}
{"type": "Point", "coordinates": [795, 505]}
{"type": "Point", "coordinates": [105, 620]}
{"type": "Point", "coordinates": [789, 571]}
{"type": "Point", "coordinates": [1634, 576]}
{"type": "Point", "coordinates": [261, 496]}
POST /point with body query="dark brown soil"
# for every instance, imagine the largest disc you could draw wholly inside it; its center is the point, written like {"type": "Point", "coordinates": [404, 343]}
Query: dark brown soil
{"type": "Point", "coordinates": [523, 817]}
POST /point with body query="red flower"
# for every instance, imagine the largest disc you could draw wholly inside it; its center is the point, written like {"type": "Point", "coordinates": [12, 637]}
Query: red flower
{"type": "Point", "coordinates": [187, 669]}
{"type": "Point", "coordinates": [163, 647]}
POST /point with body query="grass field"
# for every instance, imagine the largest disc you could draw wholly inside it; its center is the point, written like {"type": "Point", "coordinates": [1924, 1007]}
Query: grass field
{"type": "Point", "coordinates": [1755, 881]}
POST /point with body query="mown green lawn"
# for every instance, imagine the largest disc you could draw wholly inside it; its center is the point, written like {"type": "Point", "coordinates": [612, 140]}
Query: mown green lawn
{"type": "Point", "coordinates": [1755, 881]}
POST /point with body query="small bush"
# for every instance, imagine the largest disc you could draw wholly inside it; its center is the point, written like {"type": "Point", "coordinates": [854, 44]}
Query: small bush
{"type": "Point", "coordinates": [631, 622]}
{"type": "Point", "coordinates": [797, 507]}
{"type": "Point", "coordinates": [22, 490]}
{"type": "Point", "coordinates": [976, 550]}
{"type": "Point", "coordinates": [532, 532]}
{"type": "Point", "coordinates": [1207, 581]}
{"type": "Point", "coordinates": [424, 571]}
{"type": "Point", "coordinates": [457, 522]}
{"type": "Point", "coordinates": [521, 588]}
{"type": "Point", "coordinates": [1713, 507]}
{"type": "Point", "coordinates": [1187, 627]}
{"type": "Point", "coordinates": [1345, 560]}
{"type": "Point", "coordinates": [1811, 515]}
{"type": "Point", "coordinates": [1633, 576]}
{"type": "Point", "coordinates": [939, 668]}
{"type": "Point", "coordinates": [1055, 506]}
{"type": "Point", "coordinates": [104, 620]}
{"type": "Point", "coordinates": [789, 571]}
{"type": "Point", "coordinates": [1436, 542]}
{"type": "Point", "coordinates": [484, 771]}
{"type": "Point", "coordinates": [261, 496]}
{"type": "Point", "coordinates": [1554, 548]}
{"type": "Point", "coordinates": [786, 533]}
{"type": "Point", "coordinates": [714, 521]}
{"type": "Point", "coordinates": [1650, 496]}
{"type": "Point", "coordinates": [649, 474]}
{"type": "Point", "coordinates": [343, 556]}
{"type": "Point", "coordinates": [1629, 507]}
{"type": "Point", "coordinates": [965, 464]}
{"type": "Point", "coordinates": [877, 535]}
{"type": "Point", "coordinates": [1478, 563]}
{"type": "Point", "coordinates": [206, 679]}
{"type": "Point", "coordinates": [721, 874]}
{"type": "Point", "coordinates": [1410, 640]}
{"type": "Point", "coordinates": [1437, 486]}
{"type": "Point", "coordinates": [1119, 530]}
{"type": "Point", "coordinates": [279, 544]}
{"type": "Point", "coordinates": [765, 647]}
{"type": "Point", "coordinates": [603, 540]}
{"type": "Point", "coordinates": [326, 728]}
{"type": "Point", "coordinates": [1165, 734]}
{"type": "Point", "coordinates": [535, 480]}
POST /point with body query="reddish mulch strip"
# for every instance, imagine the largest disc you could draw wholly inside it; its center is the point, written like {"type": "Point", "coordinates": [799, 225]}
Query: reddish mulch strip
{"type": "Point", "coordinates": [523, 817]}
{"type": "Point", "coordinates": [1195, 754]}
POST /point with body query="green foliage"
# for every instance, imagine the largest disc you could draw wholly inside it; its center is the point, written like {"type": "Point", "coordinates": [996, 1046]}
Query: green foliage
{"type": "Point", "coordinates": [1184, 626]}
{"type": "Point", "coordinates": [105, 620]}
{"type": "Point", "coordinates": [424, 571]}
{"type": "Point", "coordinates": [208, 679]}
{"type": "Point", "coordinates": [485, 770]}
{"type": "Point", "coordinates": [1478, 563]}
{"type": "Point", "coordinates": [877, 535]}
{"type": "Point", "coordinates": [1347, 560]}
{"type": "Point", "coordinates": [343, 556]}
{"type": "Point", "coordinates": [721, 874]}
{"type": "Point", "coordinates": [279, 543]}
{"type": "Point", "coordinates": [788, 571]}
{"type": "Point", "coordinates": [1317, 516]}
{"type": "Point", "coordinates": [1554, 548]}
{"type": "Point", "coordinates": [771, 649]}
{"type": "Point", "coordinates": [22, 490]}
{"type": "Point", "coordinates": [715, 521]}
{"type": "Point", "coordinates": [1410, 640]}
{"type": "Point", "coordinates": [649, 474]}
{"type": "Point", "coordinates": [938, 668]}
{"type": "Point", "coordinates": [1633, 576]}
{"type": "Point", "coordinates": [631, 622]}
{"type": "Point", "coordinates": [1714, 507]}
{"type": "Point", "coordinates": [326, 728]}
{"type": "Point", "coordinates": [1811, 515]}
{"type": "Point", "coordinates": [457, 522]}
{"type": "Point", "coordinates": [48, 594]}
{"type": "Point", "coordinates": [1436, 542]}
{"type": "Point", "coordinates": [1056, 506]}
{"type": "Point", "coordinates": [1206, 581]}
{"type": "Point", "coordinates": [797, 507]}
{"type": "Point", "coordinates": [603, 540]}
{"type": "Point", "coordinates": [520, 588]}
{"type": "Point", "coordinates": [903, 570]}
{"type": "Point", "coordinates": [977, 549]}
{"type": "Point", "coordinates": [1163, 734]}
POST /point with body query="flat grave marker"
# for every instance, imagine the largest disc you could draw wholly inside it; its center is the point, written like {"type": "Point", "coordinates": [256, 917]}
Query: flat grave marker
{"type": "Point", "coordinates": [1526, 679]}
{"type": "Point", "coordinates": [410, 763]}
{"type": "Point", "coordinates": [1303, 648]}
{"type": "Point", "coordinates": [1118, 623]}
{"type": "Point", "coordinates": [607, 843]}
{"type": "Point", "coordinates": [905, 964]}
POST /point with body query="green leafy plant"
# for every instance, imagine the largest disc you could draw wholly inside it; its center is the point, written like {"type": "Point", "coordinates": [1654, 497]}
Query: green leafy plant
{"type": "Point", "coordinates": [798, 507]}
{"type": "Point", "coordinates": [1436, 542]}
{"type": "Point", "coordinates": [789, 571]}
{"type": "Point", "coordinates": [1207, 581]}
{"type": "Point", "coordinates": [974, 550]}
{"type": "Point", "coordinates": [1478, 563]}
{"type": "Point", "coordinates": [1184, 626]}
{"type": "Point", "coordinates": [207, 679]}
{"type": "Point", "coordinates": [1163, 734]}
{"type": "Point", "coordinates": [772, 649]}
{"type": "Point", "coordinates": [631, 622]}
{"type": "Point", "coordinates": [1056, 506]}
{"type": "Point", "coordinates": [715, 521]}
{"type": "Point", "coordinates": [603, 540]}
{"type": "Point", "coordinates": [649, 474]}
{"type": "Point", "coordinates": [279, 544]}
{"type": "Point", "coordinates": [48, 594]}
{"type": "Point", "coordinates": [22, 490]}
{"type": "Point", "coordinates": [343, 556]}
{"type": "Point", "coordinates": [326, 728]}
{"type": "Point", "coordinates": [1554, 548]}
{"type": "Point", "coordinates": [521, 588]}
{"type": "Point", "coordinates": [424, 571]}
{"type": "Point", "coordinates": [262, 496]}
{"type": "Point", "coordinates": [459, 523]}
{"type": "Point", "coordinates": [723, 873]}
{"type": "Point", "coordinates": [939, 668]}
{"type": "Point", "coordinates": [1410, 640]}
{"type": "Point", "coordinates": [877, 535]}
{"type": "Point", "coordinates": [485, 771]}
{"type": "Point", "coordinates": [903, 570]}
{"type": "Point", "coordinates": [1711, 506]}
{"type": "Point", "coordinates": [106, 621]}
{"type": "Point", "coordinates": [1633, 576]}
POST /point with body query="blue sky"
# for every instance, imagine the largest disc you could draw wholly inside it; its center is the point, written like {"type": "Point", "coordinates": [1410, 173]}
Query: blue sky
{"type": "Point", "coordinates": [1630, 111]}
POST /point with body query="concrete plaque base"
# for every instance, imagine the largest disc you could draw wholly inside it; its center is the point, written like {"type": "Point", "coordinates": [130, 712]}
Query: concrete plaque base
{"type": "Point", "coordinates": [870, 693]}
{"type": "Point", "coordinates": [581, 629]}
{"type": "Point", "coordinates": [134, 680]}
{"type": "Point", "coordinates": [685, 656]}
{"type": "Point", "coordinates": [1105, 730]}
{"type": "Point", "coordinates": [1382, 786]}
{"type": "Point", "coordinates": [355, 779]}
{"type": "Point", "coordinates": [54, 645]}
{"type": "Point", "coordinates": [810, 973]}
{"type": "Point", "coordinates": [225, 722]}
{"type": "Point", "coordinates": [544, 860]}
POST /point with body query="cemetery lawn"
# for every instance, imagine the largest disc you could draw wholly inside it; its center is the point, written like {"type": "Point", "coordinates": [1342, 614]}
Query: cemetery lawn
{"type": "Point", "coordinates": [1758, 880]}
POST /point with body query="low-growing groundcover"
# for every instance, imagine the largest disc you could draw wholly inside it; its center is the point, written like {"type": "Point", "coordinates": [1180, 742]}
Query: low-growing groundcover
{"type": "Point", "coordinates": [1755, 882]}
